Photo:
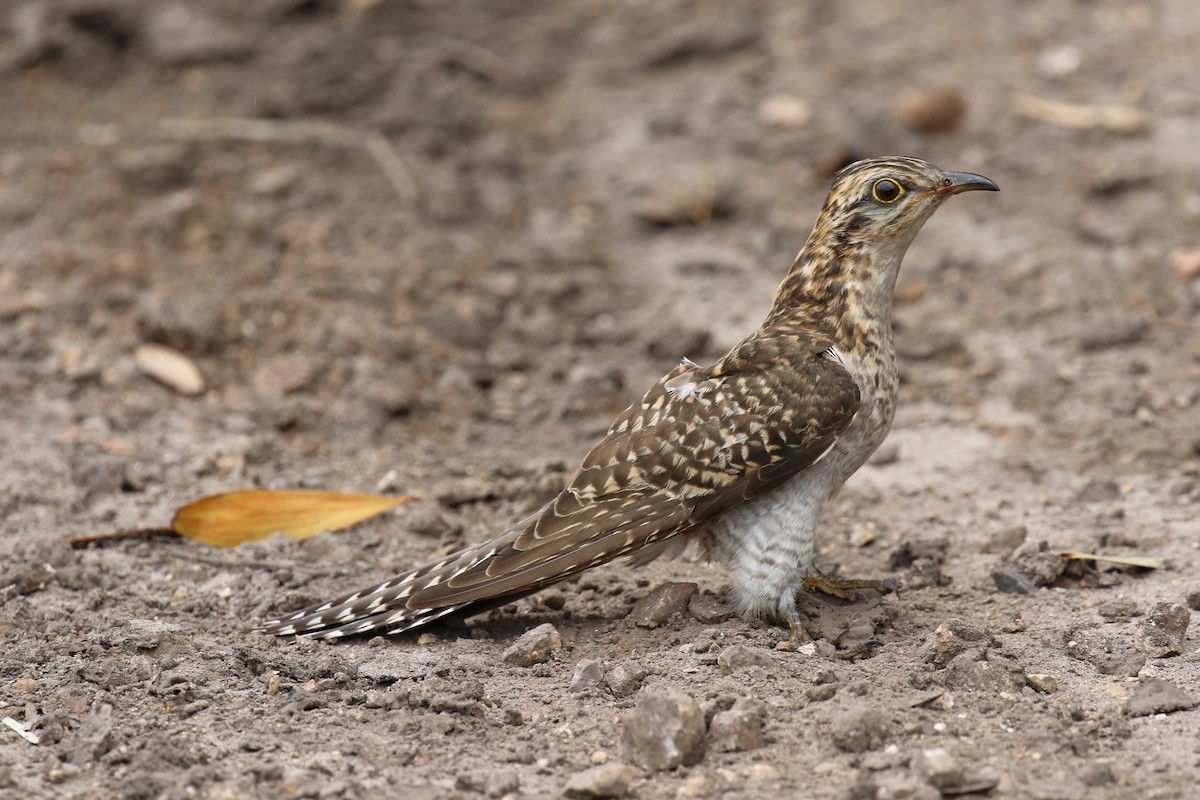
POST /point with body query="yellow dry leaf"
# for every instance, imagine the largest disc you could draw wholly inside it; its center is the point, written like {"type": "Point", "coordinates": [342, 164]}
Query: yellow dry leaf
{"type": "Point", "coordinates": [227, 520]}
{"type": "Point", "coordinates": [1145, 562]}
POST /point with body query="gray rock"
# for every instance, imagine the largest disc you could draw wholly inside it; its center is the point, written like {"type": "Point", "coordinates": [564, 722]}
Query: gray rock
{"type": "Point", "coordinates": [661, 604]}
{"type": "Point", "coordinates": [535, 646]}
{"type": "Point", "coordinates": [613, 779]}
{"type": "Point", "coordinates": [939, 767]}
{"type": "Point", "coordinates": [739, 728]}
{"type": "Point", "coordinates": [625, 679]}
{"type": "Point", "coordinates": [1041, 566]}
{"type": "Point", "coordinates": [588, 674]}
{"type": "Point", "coordinates": [738, 657]}
{"type": "Point", "coordinates": [1161, 635]}
{"type": "Point", "coordinates": [946, 773]}
{"type": "Point", "coordinates": [664, 731]}
{"type": "Point", "coordinates": [709, 609]}
{"type": "Point", "coordinates": [1156, 696]}
{"type": "Point", "coordinates": [1172, 620]}
{"type": "Point", "coordinates": [860, 728]}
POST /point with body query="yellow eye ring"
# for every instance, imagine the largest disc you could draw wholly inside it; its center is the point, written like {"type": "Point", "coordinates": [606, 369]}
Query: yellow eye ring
{"type": "Point", "coordinates": [886, 191]}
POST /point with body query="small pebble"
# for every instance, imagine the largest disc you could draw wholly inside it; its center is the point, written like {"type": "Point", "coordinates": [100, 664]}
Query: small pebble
{"type": "Point", "coordinates": [169, 367]}
{"type": "Point", "coordinates": [665, 730]}
{"type": "Point", "coordinates": [1112, 332]}
{"type": "Point", "coordinates": [1039, 682]}
{"type": "Point", "coordinates": [739, 657]}
{"type": "Point", "coordinates": [953, 637]}
{"type": "Point", "coordinates": [738, 729]}
{"type": "Point", "coordinates": [1161, 634]}
{"type": "Point", "coordinates": [535, 646]}
{"type": "Point", "coordinates": [588, 674]}
{"type": "Point", "coordinates": [946, 773]}
{"type": "Point", "coordinates": [612, 779]}
{"type": "Point", "coordinates": [785, 111]}
{"type": "Point", "coordinates": [939, 767]}
{"type": "Point", "coordinates": [661, 604]}
{"type": "Point", "coordinates": [931, 111]}
{"type": "Point", "coordinates": [859, 729]}
{"type": "Point", "coordinates": [1186, 263]}
{"type": "Point", "coordinates": [709, 609]}
{"type": "Point", "coordinates": [625, 679]}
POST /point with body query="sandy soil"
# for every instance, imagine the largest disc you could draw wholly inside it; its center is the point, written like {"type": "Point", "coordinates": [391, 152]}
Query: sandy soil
{"type": "Point", "coordinates": [433, 247]}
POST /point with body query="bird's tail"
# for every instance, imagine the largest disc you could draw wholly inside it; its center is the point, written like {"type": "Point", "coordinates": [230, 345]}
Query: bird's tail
{"type": "Point", "coordinates": [384, 607]}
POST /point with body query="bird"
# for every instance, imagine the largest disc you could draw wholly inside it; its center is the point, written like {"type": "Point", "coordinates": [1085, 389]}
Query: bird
{"type": "Point", "coordinates": [739, 456]}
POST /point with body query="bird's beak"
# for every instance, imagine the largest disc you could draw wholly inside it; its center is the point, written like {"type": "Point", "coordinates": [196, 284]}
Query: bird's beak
{"type": "Point", "coordinates": [959, 182]}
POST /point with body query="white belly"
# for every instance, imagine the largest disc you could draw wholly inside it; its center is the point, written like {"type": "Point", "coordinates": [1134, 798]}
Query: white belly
{"type": "Point", "coordinates": [767, 543]}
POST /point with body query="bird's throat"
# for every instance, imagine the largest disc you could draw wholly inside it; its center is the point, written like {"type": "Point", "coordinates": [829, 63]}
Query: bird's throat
{"type": "Point", "coordinates": [846, 289]}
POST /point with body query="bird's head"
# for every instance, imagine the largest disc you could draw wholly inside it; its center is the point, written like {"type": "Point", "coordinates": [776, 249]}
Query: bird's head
{"type": "Point", "coordinates": [884, 199]}
{"type": "Point", "coordinates": [872, 214]}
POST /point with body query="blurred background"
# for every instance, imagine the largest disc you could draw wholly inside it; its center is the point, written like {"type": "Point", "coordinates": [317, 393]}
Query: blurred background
{"type": "Point", "coordinates": [433, 247]}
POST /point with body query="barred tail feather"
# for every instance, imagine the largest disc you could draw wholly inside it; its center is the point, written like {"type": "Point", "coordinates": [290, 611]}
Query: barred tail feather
{"type": "Point", "coordinates": [384, 607]}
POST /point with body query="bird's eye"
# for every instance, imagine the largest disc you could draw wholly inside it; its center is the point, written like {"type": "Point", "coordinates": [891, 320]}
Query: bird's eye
{"type": "Point", "coordinates": [886, 191]}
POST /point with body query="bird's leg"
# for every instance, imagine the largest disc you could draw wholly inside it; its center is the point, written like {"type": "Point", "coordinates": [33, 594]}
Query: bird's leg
{"type": "Point", "coordinates": [798, 635]}
{"type": "Point", "coordinates": [843, 588]}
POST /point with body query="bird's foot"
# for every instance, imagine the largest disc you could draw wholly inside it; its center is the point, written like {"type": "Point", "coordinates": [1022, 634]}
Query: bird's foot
{"type": "Point", "coordinates": [844, 588]}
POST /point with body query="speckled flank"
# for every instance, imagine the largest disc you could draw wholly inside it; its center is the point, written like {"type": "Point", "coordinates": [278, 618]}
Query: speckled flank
{"type": "Point", "coordinates": [741, 454]}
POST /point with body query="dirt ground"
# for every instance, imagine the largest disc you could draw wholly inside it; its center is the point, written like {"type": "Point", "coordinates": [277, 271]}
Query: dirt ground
{"type": "Point", "coordinates": [433, 247]}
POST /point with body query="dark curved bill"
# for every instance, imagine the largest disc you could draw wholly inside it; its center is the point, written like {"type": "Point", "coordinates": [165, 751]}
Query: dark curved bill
{"type": "Point", "coordinates": [966, 182]}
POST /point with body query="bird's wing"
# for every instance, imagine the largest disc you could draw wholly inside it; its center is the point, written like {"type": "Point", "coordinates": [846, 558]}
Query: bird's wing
{"type": "Point", "coordinates": [702, 440]}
